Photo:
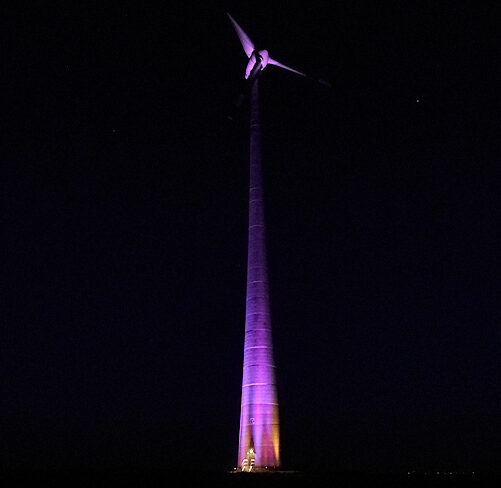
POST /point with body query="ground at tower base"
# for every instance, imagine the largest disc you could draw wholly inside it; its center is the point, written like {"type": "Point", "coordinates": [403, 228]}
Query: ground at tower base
{"type": "Point", "coordinates": [163, 478]}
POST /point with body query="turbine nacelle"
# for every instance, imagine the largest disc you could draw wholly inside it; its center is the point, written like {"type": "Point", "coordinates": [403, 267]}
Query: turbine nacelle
{"type": "Point", "coordinates": [255, 57]}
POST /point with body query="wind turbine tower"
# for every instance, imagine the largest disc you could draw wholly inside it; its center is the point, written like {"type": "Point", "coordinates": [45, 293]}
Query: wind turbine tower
{"type": "Point", "coordinates": [259, 438]}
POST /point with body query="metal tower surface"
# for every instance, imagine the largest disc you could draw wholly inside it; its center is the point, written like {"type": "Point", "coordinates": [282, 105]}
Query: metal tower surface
{"type": "Point", "coordinates": [259, 446]}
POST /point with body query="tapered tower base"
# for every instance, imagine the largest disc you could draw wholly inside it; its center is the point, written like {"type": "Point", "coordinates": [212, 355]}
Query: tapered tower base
{"type": "Point", "coordinates": [259, 417]}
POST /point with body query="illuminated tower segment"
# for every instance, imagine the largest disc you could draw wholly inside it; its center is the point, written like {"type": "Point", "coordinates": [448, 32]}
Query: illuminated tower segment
{"type": "Point", "coordinates": [259, 420]}
{"type": "Point", "coordinates": [259, 424]}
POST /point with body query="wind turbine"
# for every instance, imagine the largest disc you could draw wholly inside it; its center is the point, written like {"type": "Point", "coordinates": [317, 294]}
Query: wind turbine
{"type": "Point", "coordinates": [259, 443]}
{"type": "Point", "coordinates": [257, 59]}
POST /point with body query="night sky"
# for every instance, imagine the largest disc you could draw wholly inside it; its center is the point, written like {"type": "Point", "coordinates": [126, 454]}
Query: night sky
{"type": "Point", "coordinates": [124, 216]}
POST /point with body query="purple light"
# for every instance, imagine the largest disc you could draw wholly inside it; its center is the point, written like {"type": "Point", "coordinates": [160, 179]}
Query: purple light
{"type": "Point", "coordinates": [259, 419]}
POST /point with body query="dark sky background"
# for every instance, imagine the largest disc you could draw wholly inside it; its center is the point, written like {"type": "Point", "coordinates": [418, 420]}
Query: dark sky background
{"type": "Point", "coordinates": [124, 191]}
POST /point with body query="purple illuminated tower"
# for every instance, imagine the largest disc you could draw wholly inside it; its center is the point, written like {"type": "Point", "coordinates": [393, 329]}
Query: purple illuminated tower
{"type": "Point", "coordinates": [259, 422]}
{"type": "Point", "coordinates": [259, 443]}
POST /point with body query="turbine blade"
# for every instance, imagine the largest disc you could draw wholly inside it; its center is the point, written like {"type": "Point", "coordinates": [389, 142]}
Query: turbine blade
{"type": "Point", "coordinates": [324, 82]}
{"type": "Point", "coordinates": [247, 44]}
{"type": "Point", "coordinates": [280, 65]}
